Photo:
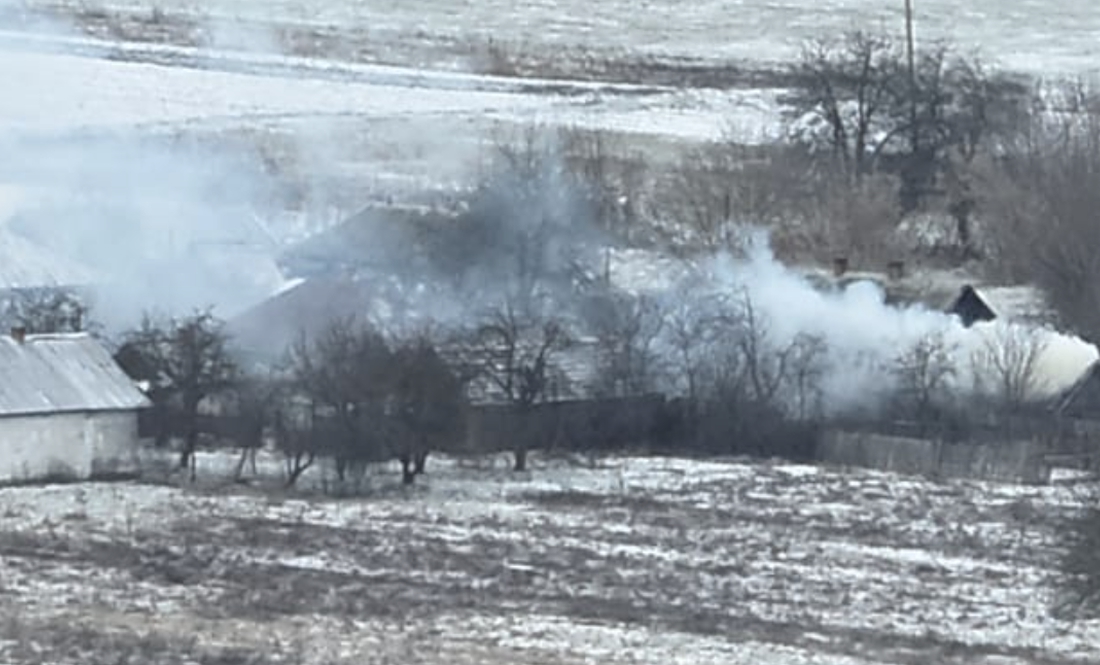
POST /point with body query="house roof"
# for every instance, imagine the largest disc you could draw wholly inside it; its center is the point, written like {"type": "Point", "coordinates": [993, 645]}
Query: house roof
{"type": "Point", "coordinates": [375, 236]}
{"type": "Point", "coordinates": [971, 307]}
{"type": "Point", "coordinates": [62, 373]}
{"type": "Point", "coordinates": [308, 307]}
{"type": "Point", "coordinates": [1024, 304]}
{"type": "Point", "coordinates": [27, 265]}
{"type": "Point", "coordinates": [1082, 400]}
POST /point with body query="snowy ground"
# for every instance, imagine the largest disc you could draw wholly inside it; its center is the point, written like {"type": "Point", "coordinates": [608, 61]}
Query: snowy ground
{"type": "Point", "coordinates": [1035, 35]}
{"type": "Point", "coordinates": [634, 561]}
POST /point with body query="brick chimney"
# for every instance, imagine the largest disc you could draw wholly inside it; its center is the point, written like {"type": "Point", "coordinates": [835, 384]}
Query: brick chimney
{"type": "Point", "coordinates": [895, 270]}
{"type": "Point", "coordinates": [840, 266]}
{"type": "Point", "coordinates": [19, 334]}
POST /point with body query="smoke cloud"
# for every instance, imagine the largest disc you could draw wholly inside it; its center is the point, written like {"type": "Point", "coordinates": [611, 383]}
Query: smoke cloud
{"type": "Point", "coordinates": [167, 219]}
{"type": "Point", "coordinates": [864, 336]}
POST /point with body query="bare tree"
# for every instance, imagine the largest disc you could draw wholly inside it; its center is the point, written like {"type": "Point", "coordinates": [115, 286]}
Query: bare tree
{"type": "Point", "coordinates": [765, 365]}
{"type": "Point", "coordinates": [722, 185]}
{"type": "Point", "coordinates": [529, 234]}
{"type": "Point", "coordinates": [747, 388]}
{"type": "Point", "coordinates": [188, 360]}
{"type": "Point", "coordinates": [874, 117]}
{"type": "Point", "coordinates": [848, 84]}
{"type": "Point", "coordinates": [298, 441]}
{"type": "Point", "coordinates": [627, 328]}
{"type": "Point", "coordinates": [805, 371]}
{"type": "Point", "coordinates": [255, 400]}
{"type": "Point", "coordinates": [1044, 194]}
{"type": "Point", "coordinates": [924, 372]}
{"type": "Point", "coordinates": [1005, 367]}
{"type": "Point", "coordinates": [696, 325]}
{"type": "Point", "coordinates": [614, 181]}
{"type": "Point", "coordinates": [427, 403]}
{"type": "Point", "coordinates": [516, 353]}
{"type": "Point", "coordinates": [345, 372]}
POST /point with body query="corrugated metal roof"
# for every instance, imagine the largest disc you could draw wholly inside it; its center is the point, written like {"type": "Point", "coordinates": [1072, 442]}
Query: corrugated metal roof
{"type": "Point", "coordinates": [26, 265]}
{"type": "Point", "coordinates": [70, 372]}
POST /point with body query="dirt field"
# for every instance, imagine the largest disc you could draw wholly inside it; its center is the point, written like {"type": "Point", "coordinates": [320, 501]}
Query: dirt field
{"type": "Point", "coordinates": [639, 561]}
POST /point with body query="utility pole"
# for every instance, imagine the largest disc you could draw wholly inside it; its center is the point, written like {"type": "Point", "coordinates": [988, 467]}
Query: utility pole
{"type": "Point", "coordinates": [911, 61]}
{"type": "Point", "coordinates": [916, 181]}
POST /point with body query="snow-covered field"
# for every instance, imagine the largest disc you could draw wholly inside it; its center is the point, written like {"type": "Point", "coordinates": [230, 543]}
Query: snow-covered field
{"type": "Point", "coordinates": [1034, 35]}
{"type": "Point", "coordinates": [633, 561]}
{"type": "Point", "coordinates": [81, 92]}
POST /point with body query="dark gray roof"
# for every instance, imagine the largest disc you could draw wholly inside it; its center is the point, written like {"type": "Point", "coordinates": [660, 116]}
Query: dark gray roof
{"type": "Point", "coordinates": [62, 373]}
{"type": "Point", "coordinates": [306, 308]}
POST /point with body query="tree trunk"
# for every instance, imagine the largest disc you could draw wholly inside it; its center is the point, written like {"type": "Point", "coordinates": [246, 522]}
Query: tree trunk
{"type": "Point", "coordinates": [248, 455]}
{"type": "Point", "coordinates": [521, 459]}
{"type": "Point", "coordinates": [187, 456]}
{"type": "Point", "coordinates": [295, 469]}
{"type": "Point", "coordinates": [408, 475]}
{"type": "Point", "coordinates": [239, 471]}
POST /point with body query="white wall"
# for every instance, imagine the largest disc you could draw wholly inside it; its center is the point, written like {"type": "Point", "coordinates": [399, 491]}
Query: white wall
{"type": "Point", "coordinates": [70, 445]}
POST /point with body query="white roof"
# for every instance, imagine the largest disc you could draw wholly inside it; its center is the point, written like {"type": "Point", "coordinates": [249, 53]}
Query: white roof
{"type": "Point", "coordinates": [26, 265]}
{"type": "Point", "coordinates": [62, 373]}
{"type": "Point", "coordinates": [1016, 303]}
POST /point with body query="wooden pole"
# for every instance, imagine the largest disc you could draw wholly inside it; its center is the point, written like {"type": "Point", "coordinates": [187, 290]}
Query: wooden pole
{"type": "Point", "coordinates": [911, 61]}
{"type": "Point", "coordinates": [915, 180]}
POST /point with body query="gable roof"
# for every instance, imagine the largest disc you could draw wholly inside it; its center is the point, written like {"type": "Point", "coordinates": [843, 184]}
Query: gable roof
{"type": "Point", "coordinates": [1082, 400]}
{"type": "Point", "coordinates": [62, 373]}
{"type": "Point", "coordinates": [1022, 303]}
{"type": "Point", "coordinates": [307, 307]}
{"type": "Point", "coordinates": [971, 307]}
{"type": "Point", "coordinates": [375, 236]}
{"type": "Point", "coordinates": [27, 265]}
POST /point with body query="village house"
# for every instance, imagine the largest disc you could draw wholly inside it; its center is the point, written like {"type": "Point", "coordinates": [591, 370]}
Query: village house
{"type": "Point", "coordinates": [1017, 304]}
{"type": "Point", "coordinates": [67, 411]}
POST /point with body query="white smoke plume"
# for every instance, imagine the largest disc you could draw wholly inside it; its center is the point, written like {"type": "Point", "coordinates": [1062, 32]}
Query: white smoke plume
{"type": "Point", "coordinates": [864, 336]}
{"type": "Point", "coordinates": [168, 218]}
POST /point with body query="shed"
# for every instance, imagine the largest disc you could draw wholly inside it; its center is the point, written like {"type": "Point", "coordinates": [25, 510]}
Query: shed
{"type": "Point", "coordinates": [67, 410]}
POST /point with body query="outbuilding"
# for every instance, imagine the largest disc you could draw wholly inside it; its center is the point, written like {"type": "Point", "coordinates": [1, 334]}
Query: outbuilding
{"type": "Point", "coordinates": [67, 411]}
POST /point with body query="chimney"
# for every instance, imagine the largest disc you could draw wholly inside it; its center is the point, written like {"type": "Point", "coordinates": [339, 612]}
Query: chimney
{"type": "Point", "coordinates": [840, 266]}
{"type": "Point", "coordinates": [895, 270]}
{"type": "Point", "coordinates": [19, 334]}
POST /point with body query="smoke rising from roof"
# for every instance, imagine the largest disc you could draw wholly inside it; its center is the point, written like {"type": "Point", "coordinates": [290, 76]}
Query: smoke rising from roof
{"type": "Point", "coordinates": [864, 336]}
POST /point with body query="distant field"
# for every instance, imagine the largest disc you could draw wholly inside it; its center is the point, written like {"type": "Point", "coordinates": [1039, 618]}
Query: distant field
{"type": "Point", "coordinates": [1034, 35]}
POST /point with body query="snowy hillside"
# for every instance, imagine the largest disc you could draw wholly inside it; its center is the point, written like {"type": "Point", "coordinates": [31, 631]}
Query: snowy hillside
{"type": "Point", "coordinates": [1037, 35]}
